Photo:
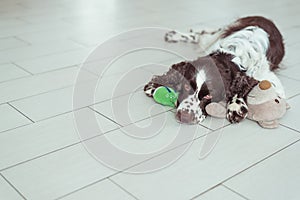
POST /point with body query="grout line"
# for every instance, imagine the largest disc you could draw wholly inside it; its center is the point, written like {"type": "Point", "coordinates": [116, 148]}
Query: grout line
{"type": "Point", "coordinates": [21, 98]}
{"type": "Point", "coordinates": [9, 183]}
{"type": "Point", "coordinates": [50, 117]}
{"type": "Point", "coordinates": [122, 188]}
{"type": "Point", "coordinates": [288, 77]}
{"type": "Point", "coordinates": [79, 189]}
{"type": "Point", "coordinates": [108, 118]}
{"type": "Point", "coordinates": [20, 112]}
{"type": "Point", "coordinates": [15, 128]}
{"type": "Point", "coordinates": [79, 43]}
{"type": "Point", "coordinates": [262, 160]}
{"type": "Point", "coordinates": [289, 128]}
{"type": "Point", "coordinates": [26, 42]}
{"type": "Point", "coordinates": [145, 118]}
{"type": "Point", "coordinates": [51, 90]}
{"type": "Point", "coordinates": [13, 47]}
{"type": "Point", "coordinates": [58, 69]}
{"type": "Point", "coordinates": [49, 71]}
{"type": "Point", "coordinates": [118, 172]}
{"type": "Point", "coordinates": [76, 109]}
{"type": "Point", "coordinates": [237, 193]}
{"type": "Point", "coordinates": [99, 135]}
{"type": "Point", "coordinates": [14, 79]}
{"type": "Point", "coordinates": [22, 68]}
{"type": "Point", "coordinates": [206, 191]}
{"type": "Point", "coordinates": [291, 97]}
{"type": "Point", "coordinates": [111, 175]}
{"type": "Point", "coordinates": [51, 53]}
{"type": "Point", "coordinates": [253, 165]}
{"type": "Point", "coordinates": [32, 74]}
{"type": "Point", "coordinates": [63, 113]}
{"type": "Point", "coordinates": [57, 150]}
{"type": "Point", "coordinates": [150, 158]}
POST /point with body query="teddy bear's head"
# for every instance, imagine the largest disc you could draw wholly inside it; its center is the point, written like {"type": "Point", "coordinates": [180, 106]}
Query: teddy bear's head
{"type": "Point", "coordinates": [265, 106]}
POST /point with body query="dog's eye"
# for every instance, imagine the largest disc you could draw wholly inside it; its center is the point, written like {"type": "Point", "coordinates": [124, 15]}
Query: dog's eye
{"type": "Point", "coordinates": [276, 100]}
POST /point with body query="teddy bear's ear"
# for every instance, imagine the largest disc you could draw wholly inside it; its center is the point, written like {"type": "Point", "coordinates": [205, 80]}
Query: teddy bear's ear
{"type": "Point", "coordinates": [288, 106]}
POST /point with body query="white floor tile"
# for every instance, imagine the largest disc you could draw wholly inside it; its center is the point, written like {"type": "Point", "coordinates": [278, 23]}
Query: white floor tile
{"type": "Point", "coordinates": [10, 71]}
{"type": "Point", "coordinates": [57, 174]}
{"type": "Point", "coordinates": [10, 118]}
{"type": "Point", "coordinates": [292, 87]}
{"type": "Point", "coordinates": [130, 108]}
{"type": "Point", "coordinates": [55, 61]}
{"type": "Point", "coordinates": [291, 72]}
{"type": "Point", "coordinates": [137, 59]}
{"type": "Point", "coordinates": [34, 51]}
{"type": "Point", "coordinates": [193, 176]}
{"type": "Point", "coordinates": [51, 104]}
{"type": "Point", "coordinates": [291, 58]}
{"type": "Point", "coordinates": [153, 135]}
{"type": "Point", "coordinates": [60, 101]}
{"type": "Point", "coordinates": [29, 27]}
{"type": "Point", "coordinates": [40, 138]}
{"type": "Point", "coordinates": [33, 85]}
{"type": "Point", "coordinates": [47, 105]}
{"type": "Point", "coordinates": [10, 22]}
{"type": "Point", "coordinates": [102, 190]}
{"type": "Point", "coordinates": [291, 117]}
{"type": "Point", "coordinates": [219, 193]}
{"type": "Point", "coordinates": [52, 35]}
{"type": "Point", "coordinates": [11, 43]}
{"type": "Point", "coordinates": [7, 192]}
{"type": "Point", "coordinates": [290, 36]}
{"type": "Point", "coordinates": [112, 86]}
{"type": "Point", "coordinates": [277, 177]}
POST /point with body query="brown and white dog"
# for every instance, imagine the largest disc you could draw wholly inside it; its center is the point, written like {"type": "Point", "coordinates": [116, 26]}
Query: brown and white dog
{"type": "Point", "coordinates": [240, 55]}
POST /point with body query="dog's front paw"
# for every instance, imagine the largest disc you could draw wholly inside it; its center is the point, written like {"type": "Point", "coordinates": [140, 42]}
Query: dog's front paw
{"type": "Point", "coordinates": [236, 110]}
{"type": "Point", "coordinates": [172, 36]}
{"type": "Point", "coordinates": [150, 88]}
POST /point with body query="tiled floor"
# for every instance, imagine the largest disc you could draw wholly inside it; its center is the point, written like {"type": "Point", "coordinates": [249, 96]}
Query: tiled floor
{"type": "Point", "coordinates": [42, 47]}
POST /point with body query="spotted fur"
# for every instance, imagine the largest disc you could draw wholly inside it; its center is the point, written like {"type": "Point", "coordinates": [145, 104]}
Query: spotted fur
{"type": "Point", "coordinates": [241, 54]}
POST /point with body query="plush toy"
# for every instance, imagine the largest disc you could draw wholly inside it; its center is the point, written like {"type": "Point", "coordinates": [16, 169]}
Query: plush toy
{"type": "Point", "coordinates": [264, 106]}
{"type": "Point", "coordinates": [165, 96]}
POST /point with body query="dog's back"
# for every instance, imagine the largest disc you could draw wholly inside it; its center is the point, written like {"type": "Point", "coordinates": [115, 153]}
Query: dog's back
{"type": "Point", "coordinates": [276, 51]}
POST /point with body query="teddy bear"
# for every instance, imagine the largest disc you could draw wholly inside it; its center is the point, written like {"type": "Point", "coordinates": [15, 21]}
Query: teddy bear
{"type": "Point", "coordinates": [264, 106]}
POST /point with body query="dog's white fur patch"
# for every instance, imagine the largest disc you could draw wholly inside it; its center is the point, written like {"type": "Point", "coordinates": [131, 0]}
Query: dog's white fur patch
{"type": "Point", "coordinates": [200, 78]}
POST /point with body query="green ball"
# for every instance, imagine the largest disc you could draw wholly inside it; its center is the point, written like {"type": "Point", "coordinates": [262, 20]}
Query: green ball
{"type": "Point", "coordinates": [165, 96]}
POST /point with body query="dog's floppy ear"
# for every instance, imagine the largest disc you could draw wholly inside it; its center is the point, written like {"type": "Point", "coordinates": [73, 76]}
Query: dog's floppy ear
{"type": "Point", "coordinates": [242, 85]}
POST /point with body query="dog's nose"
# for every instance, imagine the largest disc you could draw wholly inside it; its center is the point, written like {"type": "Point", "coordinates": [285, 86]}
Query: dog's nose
{"type": "Point", "coordinates": [184, 116]}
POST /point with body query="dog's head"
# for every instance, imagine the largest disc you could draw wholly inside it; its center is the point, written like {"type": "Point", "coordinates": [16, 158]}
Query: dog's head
{"type": "Point", "coordinates": [189, 110]}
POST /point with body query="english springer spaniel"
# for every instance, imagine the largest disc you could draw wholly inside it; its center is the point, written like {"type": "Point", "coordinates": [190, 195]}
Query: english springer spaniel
{"type": "Point", "coordinates": [240, 55]}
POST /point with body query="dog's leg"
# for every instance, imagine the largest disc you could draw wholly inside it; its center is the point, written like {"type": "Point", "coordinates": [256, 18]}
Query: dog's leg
{"type": "Point", "coordinates": [204, 38]}
{"type": "Point", "coordinates": [237, 109]}
{"type": "Point", "coordinates": [176, 36]}
{"type": "Point", "coordinates": [150, 88]}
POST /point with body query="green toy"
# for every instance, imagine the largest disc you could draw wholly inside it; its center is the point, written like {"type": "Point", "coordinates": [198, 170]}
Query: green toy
{"type": "Point", "coordinates": [165, 96]}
